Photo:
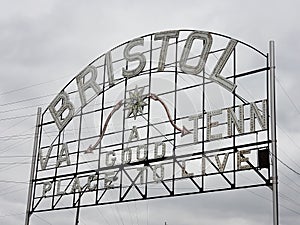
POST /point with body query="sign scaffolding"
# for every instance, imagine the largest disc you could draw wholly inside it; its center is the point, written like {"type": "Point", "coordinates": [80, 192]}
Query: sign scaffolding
{"type": "Point", "coordinates": [172, 113]}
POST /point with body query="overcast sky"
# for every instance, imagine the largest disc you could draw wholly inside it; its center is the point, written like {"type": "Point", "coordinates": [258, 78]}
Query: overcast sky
{"type": "Point", "coordinates": [44, 44]}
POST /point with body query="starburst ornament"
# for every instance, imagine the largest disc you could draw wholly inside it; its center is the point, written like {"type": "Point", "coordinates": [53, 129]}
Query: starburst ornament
{"type": "Point", "coordinates": [135, 104]}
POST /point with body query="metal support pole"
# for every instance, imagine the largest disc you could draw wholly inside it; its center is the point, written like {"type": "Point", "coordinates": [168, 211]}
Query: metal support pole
{"type": "Point", "coordinates": [77, 211]}
{"type": "Point", "coordinates": [273, 133]}
{"type": "Point", "coordinates": [35, 146]}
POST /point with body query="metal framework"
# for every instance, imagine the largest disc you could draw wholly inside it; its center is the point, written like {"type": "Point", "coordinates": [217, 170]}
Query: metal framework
{"type": "Point", "coordinates": [106, 151]}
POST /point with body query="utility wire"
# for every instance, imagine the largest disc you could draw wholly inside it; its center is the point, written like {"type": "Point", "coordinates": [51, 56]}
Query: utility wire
{"type": "Point", "coordinates": [288, 96]}
{"type": "Point", "coordinates": [17, 117]}
{"type": "Point", "coordinates": [287, 166]}
{"type": "Point", "coordinates": [14, 182]}
{"type": "Point", "coordinates": [26, 100]}
{"type": "Point", "coordinates": [263, 197]}
{"type": "Point", "coordinates": [13, 191]}
{"type": "Point", "coordinates": [30, 86]}
{"type": "Point", "coordinates": [45, 221]}
{"type": "Point", "coordinates": [13, 214]}
{"type": "Point", "coordinates": [26, 107]}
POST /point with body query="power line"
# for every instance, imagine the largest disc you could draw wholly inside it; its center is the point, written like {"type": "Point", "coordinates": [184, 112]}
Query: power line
{"type": "Point", "coordinates": [13, 214]}
{"type": "Point", "coordinates": [288, 96]}
{"type": "Point", "coordinates": [17, 117]}
{"type": "Point", "coordinates": [42, 219]}
{"type": "Point", "coordinates": [26, 107]}
{"type": "Point", "coordinates": [30, 86]}
{"type": "Point", "coordinates": [263, 197]}
{"type": "Point", "coordinates": [13, 182]}
{"type": "Point", "coordinates": [13, 191]}
{"type": "Point", "coordinates": [28, 99]}
{"type": "Point", "coordinates": [290, 179]}
{"type": "Point", "coordinates": [15, 163]}
{"type": "Point", "coordinates": [14, 156]}
{"type": "Point", "coordinates": [291, 169]}
{"type": "Point", "coordinates": [289, 199]}
{"type": "Point", "coordinates": [295, 143]}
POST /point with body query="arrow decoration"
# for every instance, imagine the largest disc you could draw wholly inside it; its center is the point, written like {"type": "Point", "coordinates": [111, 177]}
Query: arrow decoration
{"type": "Point", "coordinates": [135, 106]}
{"type": "Point", "coordinates": [183, 130]}
{"type": "Point", "coordinates": [91, 148]}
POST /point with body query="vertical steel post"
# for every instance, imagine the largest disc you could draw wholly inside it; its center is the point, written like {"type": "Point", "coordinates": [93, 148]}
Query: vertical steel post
{"type": "Point", "coordinates": [35, 146]}
{"type": "Point", "coordinates": [273, 132]}
{"type": "Point", "coordinates": [77, 211]}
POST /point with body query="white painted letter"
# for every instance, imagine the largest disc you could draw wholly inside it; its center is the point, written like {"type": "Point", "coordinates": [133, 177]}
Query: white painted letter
{"type": "Point", "coordinates": [184, 173]}
{"type": "Point", "coordinates": [83, 84]}
{"type": "Point", "coordinates": [223, 165]}
{"type": "Point", "coordinates": [215, 76]}
{"type": "Point", "coordinates": [207, 38]}
{"type": "Point", "coordinates": [44, 160]}
{"type": "Point", "coordinates": [195, 118]}
{"type": "Point", "coordinates": [165, 37]}
{"type": "Point", "coordinates": [231, 118]}
{"type": "Point", "coordinates": [241, 159]}
{"type": "Point", "coordinates": [163, 150]}
{"type": "Point", "coordinates": [58, 191]}
{"type": "Point", "coordinates": [64, 150]}
{"type": "Point", "coordinates": [76, 185]}
{"type": "Point", "coordinates": [134, 134]}
{"type": "Point", "coordinates": [109, 177]}
{"type": "Point", "coordinates": [109, 69]}
{"type": "Point", "coordinates": [255, 112]}
{"type": "Point", "coordinates": [113, 158]}
{"type": "Point", "coordinates": [157, 177]}
{"type": "Point", "coordinates": [141, 174]}
{"type": "Point", "coordinates": [210, 125]}
{"type": "Point", "coordinates": [126, 155]}
{"type": "Point", "coordinates": [138, 152]}
{"type": "Point", "coordinates": [47, 186]}
{"type": "Point", "coordinates": [60, 120]}
{"type": "Point", "coordinates": [91, 178]}
{"type": "Point", "coordinates": [134, 57]}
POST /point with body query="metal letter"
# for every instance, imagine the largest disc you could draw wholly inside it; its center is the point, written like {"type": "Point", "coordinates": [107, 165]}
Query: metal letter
{"type": "Point", "coordinates": [91, 178]}
{"type": "Point", "coordinates": [44, 161]}
{"type": "Point", "coordinates": [76, 185]}
{"type": "Point", "coordinates": [61, 121]}
{"type": "Point", "coordinates": [66, 158]}
{"type": "Point", "coordinates": [231, 118]}
{"type": "Point", "coordinates": [138, 152]}
{"type": "Point", "coordinates": [156, 177]}
{"type": "Point", "coordinates": [255, 112]}
{"type": "Point", "coordinates": [109, 69]}
{"type": "Point", "coordinates": [83, 84]}
{"type": "Point", "coordinates": [134, 57]}
{"type": "Point", "coordinates": [210, 125]}
{"type": "Point", "coordinates": [241, 159]}
{"type": "Point", "coordinates": [134, 134]}
{"type": "Point", "coordinates": [141, 174]}
{"type": "Point", "coordinates": [165, 37]}
{"type": "Point", "coordinates": [207, 38]}
{"type": "Point", "coordinates": [109, 178]}
{"type": "Point", "coordinates": [163, 150]}
{"type": "Point", "coordinates": [195, 118]}
{"type": "Point", "coordinates": [184, 173]}
{"type": "Point", "coordinates": [126, 158]}
{"type": "Point", "coordinates": [47, 186]}
{"type": "Point", "coordinates": [58, 191]}
{"type": "Point", "coordinates": [113, 158]}
{"type": "Point", "coordinates": [215, 76]}
{"type": "Point", "coordinates": [223, 165]}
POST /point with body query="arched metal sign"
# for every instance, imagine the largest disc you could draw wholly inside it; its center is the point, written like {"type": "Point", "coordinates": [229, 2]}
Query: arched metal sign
{"type": "Point", "coordinates": [172, 113]}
